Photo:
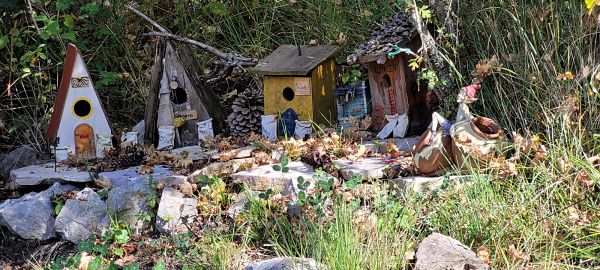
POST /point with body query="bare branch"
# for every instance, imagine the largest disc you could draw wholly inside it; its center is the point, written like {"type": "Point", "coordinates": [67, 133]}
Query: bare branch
{"type": "Point", "coordinates": [230, 58]}
{"type": "Point", "coordinates": [152, 22]}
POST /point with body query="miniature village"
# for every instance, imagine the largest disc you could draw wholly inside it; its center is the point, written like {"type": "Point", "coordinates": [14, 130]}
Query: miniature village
{"type": "Point", "coordinates": [294, 134]}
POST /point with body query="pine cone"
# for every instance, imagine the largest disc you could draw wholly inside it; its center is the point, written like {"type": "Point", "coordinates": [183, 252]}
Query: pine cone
{"type": "Point", "coordinates": [247, 110]}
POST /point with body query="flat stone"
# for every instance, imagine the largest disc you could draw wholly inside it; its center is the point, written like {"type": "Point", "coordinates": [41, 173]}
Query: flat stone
{"type": "Point", "coordinates": [82, 217]}
{"type": "Point", "coordinates": [43, 174]}
{"type": "Point", "coordinates": [194, 152]}
{"type": "Point", "coordinates": [244, 152]}
{"type": "Point", "coordinates": [30, 217]}
{"type": "Point", "coordinates": [380, 146]}
{"type": "Point", "coordinates": [124, 177]}
{"type": "Point", "coordinates": [171, 180]}
{"type": "Point", "coordinates": [368, 168]}
{"type": "Point", "coordinates": [424, 184]}
{"type": "Point", "coordinates": [438, 251]}
{"type": "Point", "coordinates": [224, 168]}
{"type": "Point", "coordinates": [173, 209]}
{"type": "Point", "coordinates": [128, 202]}
{"type": "Point", "coordinates": [265, 177]}
{"type": "Point", "coordinates": [286, 263]}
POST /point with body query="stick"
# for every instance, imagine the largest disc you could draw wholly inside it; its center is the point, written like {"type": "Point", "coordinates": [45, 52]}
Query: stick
{"type": "Point", "coordinates": [243, 61]}
{"type": "Point", "coordinates": [37, 29]}
{"type": "Point", "coordinates": [152, 22]}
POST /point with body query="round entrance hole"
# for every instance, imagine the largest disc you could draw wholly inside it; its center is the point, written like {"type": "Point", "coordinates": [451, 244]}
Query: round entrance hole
{"type": "Point", "coordinates": [179, 96]}
{"type": "Point", "coordinates": [82, 108]}
{"type": "Point", "coordinates": [288, 94]}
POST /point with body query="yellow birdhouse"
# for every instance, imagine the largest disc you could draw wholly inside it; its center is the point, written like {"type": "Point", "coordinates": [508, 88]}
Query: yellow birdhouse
{"type": "Point", "coordinates": [301, 78]}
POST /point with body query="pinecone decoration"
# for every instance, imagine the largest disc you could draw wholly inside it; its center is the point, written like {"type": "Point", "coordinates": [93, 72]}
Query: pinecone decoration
{"type": "Point", "coordinates": [247, 110]}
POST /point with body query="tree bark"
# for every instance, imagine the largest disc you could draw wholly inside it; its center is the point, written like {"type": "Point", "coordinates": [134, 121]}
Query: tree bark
{"type": "Point", "coordinates": [150, 116]}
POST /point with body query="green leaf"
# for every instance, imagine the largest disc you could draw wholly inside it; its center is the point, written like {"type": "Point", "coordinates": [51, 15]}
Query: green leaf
{"type": "Point", "coordinates": [216, 8]}
{"type": "Point", "coordinates": [160, 266]}
{"type": "Point", "coordinates": [91, 8]}
{"type": "Point", "coordinates": [3, 42]}
{"type": "Point", "coordinates": [277, 168]}
{"type": "Point", "coordinates": [285, 169]}
{"type": "Point", "coordinates": [122, 236]}
{"type": "Point", "coordinates": [62, 5]}
{"type": "Point", "coordinates": [285, 161]}
{"type": "Point", "coordinates": [95, 264]}
{"type": "Point", "coordinates": [52, 28]}
{"type": "Point", "coordinates": [118, 252]}
{"type": "Point", "coordinates": [133, 266]}
{"type": "Point", "coordinates": [68, 21]}
{"type": "Point", "coordinates": [425, 13]}
{"type": "Point", "coordinates": [59, 206]}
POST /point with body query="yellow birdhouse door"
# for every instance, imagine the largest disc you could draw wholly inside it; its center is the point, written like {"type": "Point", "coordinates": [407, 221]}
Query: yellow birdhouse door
{"type": "Point", "coordinates": [84, 141]}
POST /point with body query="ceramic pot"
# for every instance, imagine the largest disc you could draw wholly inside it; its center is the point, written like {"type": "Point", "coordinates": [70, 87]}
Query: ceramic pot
{"type": "Point", "coordinates": [433, 153]}
{"type": "Point", "coordinates": [474, 142]}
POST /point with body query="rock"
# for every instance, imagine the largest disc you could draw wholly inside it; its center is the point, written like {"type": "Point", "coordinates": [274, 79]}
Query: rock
{"type": "Point", "coordinates": [140, 128]}
{"type": "Point", "coordinates": [438, 251]}
{"type": "Point", "coordinates": [129, 201]}
{"type": "Point", "coordinates": [224, 168]}
{"type": "Point", "coordinates": [239, 205]}
{"type": "Point", "coordinates": [369, 168]}
{"type": "Point", "coordinates": [173, 208]}
{"type": "Point", "coordinates": [124, 177]}
{"type": "Point", "coordinates": [194, 152]}
{"type": "Point", "coordinates": [29, 217]}
{"type": "Point", "coordinates": [82, 217]}
{"type": "Point", "coordinates": [20, 157]}
{"type": "Point", "coordinates": [171, 181]}
{"type": "Point", "coordinates": [286, 263]}
{"type": "Point", "coordinates": [379, 146]}
{"type": "Point", "coordinates": [244, 152]}
{"type": "Point", "coordinates": [43, 174]}
{"type": "Point", "coordinates": [265, 177]}
{"type": "Point", "coordinates": [57, 189]}
{"type": "Point", "coordinates": [424, 185]}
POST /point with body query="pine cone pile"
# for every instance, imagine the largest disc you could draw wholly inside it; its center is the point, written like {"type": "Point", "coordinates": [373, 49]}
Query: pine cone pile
{"type": "Point", "coordinates": [247, 109]}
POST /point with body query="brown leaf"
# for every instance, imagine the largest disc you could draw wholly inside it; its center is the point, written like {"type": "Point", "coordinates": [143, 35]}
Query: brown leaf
{"type": "Point", "coordinates": [483, 253]}
{"type": "Point", "coordinates": [186, 188]}
{"type": "Point", "coordinates": [341, 39]}
{"type": "Point", "coordinates": [517, 255]}
{"type": "Point", "coordinates": [586, 71]}
{"type": "Point", "coordinates": [314, 42]}
{"type": "Point", "coordinates": [337, 2]}
{"type": "Point", "coordinates": [145, 169]}
{"type": "Point", "coordinates": [125, 260]}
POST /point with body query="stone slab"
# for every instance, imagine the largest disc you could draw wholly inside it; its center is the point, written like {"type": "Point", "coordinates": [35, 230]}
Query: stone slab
{"type": "Point", "coordinates": [438, 251]}
{"type": "Point", "coordinates": [369, 168]}
{"type": "Point", "coordinates": [224, 168]}
{"type": "Point", "coordinates": [194, 152]}
{"type": "Point", "coordinates": [124, 177]}
{"type": "Point", "coordinates": [286, 263]}
{"type": "Point", "coordinates": [403, 144]}
{"type": "Point", "coordinates": [44, 173]}
{"type": "Point", "coordinates": [173, 209]}
{"type": "Point", "coordinates": [266, 177]}
{"type": "Point", "coordinates": [425, 184]}
{"type": "Point", "coordinates": [244, 152]}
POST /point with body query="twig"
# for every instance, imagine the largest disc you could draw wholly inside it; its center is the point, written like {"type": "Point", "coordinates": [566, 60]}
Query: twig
{"type": "Point", "coordinates": [32, 18]}
{"type": "Point", "coordinates": [231, 58]}
{"type": "Point", "coordinates": [152, 22]}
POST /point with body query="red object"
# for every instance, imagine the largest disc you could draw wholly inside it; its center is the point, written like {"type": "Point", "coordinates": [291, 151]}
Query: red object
{"type": "Point", "coordinates": [471, 90]}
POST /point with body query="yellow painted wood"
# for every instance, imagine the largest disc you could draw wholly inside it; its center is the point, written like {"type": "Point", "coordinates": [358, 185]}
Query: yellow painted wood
{"type": "Point", "coordinates": [276, 104]}
{"type": "Point", "coordinates": [323, 83]}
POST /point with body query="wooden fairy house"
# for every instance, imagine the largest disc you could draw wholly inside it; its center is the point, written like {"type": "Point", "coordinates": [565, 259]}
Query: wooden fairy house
{"type": "Point", "coordinates": [300, 78]}
{"type": "Point", "coordinates": [178, 102]}
{"type": "Point", "coordinates": [78, 122]}
{"type": "Point", "coordinates": [393, 85]}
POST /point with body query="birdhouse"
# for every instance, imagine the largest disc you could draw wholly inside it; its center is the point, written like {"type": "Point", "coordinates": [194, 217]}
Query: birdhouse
{"type": "Point", "coordinates": [78, 121]}
{"type": "Point", "coordinates": [393, 85]}
{"type": "Point", "coordinates": [300, 78]}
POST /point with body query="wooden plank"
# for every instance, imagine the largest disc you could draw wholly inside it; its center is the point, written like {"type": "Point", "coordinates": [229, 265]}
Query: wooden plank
{"type": "Point", "coordinates": [323, 85]}
{"type": "Point", "coordinates": [275, 104]}
{"type": "Point", "coordinates": [84, 141]}
{"type": "Point", "coordinates": [286, 61]}
{"type": "Point", "coordinates": [152, 102]}
{"type": "Point", "coordinates": [388, 90]}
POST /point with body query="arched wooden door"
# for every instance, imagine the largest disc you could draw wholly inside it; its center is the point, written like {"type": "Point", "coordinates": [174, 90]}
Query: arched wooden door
{"type": "Point", "coordinates": [84, 141]}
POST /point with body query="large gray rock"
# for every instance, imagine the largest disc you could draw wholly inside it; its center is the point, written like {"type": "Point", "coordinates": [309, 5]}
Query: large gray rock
{"type": "Point", "coordinates": [265, 177]}
{"type": "Point", "coordinates": [129, 202]}
{"type": "Point", "coordinates": [30, 217]}
{"type": "Point", "coordinates": [82, 217]}
{"type": "Point", "coordinates": [425, 185]}
{"type": "Point", "coordinates": [172, 211]}
{"type": "Point", "coordinates": [21, 157]}
{"type": "Point", "coordinates": [194, 152]}
{"type": "Point", "coordinates": [125, 176]}
{"type": "Point", "coordinates": [286, 263]}
{"type": "Point", "coordinates": [45, 173]}
{"type": "Point", "coordinates": [440, 252]}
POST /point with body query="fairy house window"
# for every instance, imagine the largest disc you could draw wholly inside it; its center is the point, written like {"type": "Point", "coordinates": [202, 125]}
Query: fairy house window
{"type": "Point", "coordinates": [393, 85]}
{"type": "Point", "coordinates": [78, 122]}
{"type": "Point", "coordinates": [301, 78]}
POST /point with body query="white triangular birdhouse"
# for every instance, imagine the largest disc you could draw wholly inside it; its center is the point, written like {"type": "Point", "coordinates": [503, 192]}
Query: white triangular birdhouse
{"type": "Point", "coordinates": [78, 121]}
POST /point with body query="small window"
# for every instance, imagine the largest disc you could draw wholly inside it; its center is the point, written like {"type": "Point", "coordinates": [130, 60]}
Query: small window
{"type": "Point", "coordinates": [179, 96]}
{"type": "Point", "coordinates": [288, 94]}
{"type": "Point", "coordinates": [387, 82]}
{"type": "Point", "coordinates": [82, 108]}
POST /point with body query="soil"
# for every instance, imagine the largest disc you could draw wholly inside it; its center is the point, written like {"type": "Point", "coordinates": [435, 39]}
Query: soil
{"type": "Point", "coordinates": [16, 253]}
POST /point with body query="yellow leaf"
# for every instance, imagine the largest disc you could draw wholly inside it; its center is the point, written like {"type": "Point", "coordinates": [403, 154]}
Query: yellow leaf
{"type": "Point", "coordinates": [591, 3]}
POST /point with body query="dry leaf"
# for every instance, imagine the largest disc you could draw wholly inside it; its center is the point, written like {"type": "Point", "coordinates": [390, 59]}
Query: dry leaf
{"type": "Point", "coordinates": [125, 260]}
{"type": "Point", "coordinates": [366, 13]}
{"type": "Point", "coordinates": [565, 76]}
{"type": "Point", "coordinates": [314, 42]}
{"type": "Point", "coordinates": [104, 183]}
{"type": "Point", "coordinates": [145, 169]}
{"type": "Point", "coordinates": [541, 153]}
{"type": "Point", "coordinates": [586, 71]}
{"type": "Point", "coordinates": [517, 255]}
{"type": "Point", "coordinates": [483, 253]}
{"type": "Point", "coordinates": [84, 261]}
{"type": "Point", "coordinates": [341, 39]}
{"type": "Point", "coordinates": [337, 2]}
{"type": "Point", "coordinates": [186, 188]}
{"type": "Point", "coordinates": [359, 153]}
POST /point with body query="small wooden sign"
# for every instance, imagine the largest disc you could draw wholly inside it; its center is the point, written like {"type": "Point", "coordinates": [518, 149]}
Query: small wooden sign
{"type": "Point", "coordinates": [302, 86]}
{"type": "Point", "coordinates": [187, 115]}
{"type": "Point", "coordinates": [80, 82]}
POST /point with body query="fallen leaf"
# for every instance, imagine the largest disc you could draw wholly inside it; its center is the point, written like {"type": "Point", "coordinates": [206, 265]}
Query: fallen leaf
{"type": "Point", "coordinates": [186, 188]}
{"type": "Point", "coordinates": [586, 71]}
{"type": "Point", "coordinates": [125, 260]}
{"type": "Point", "coordinates": [565, 76]}
{"type": "Point", "coordinates": [341, 39]}
{"type": "Point", "coordinates": [337, 2]}
{"type": "Point", "coordinates": [517, 255]}
{"type": "Point", "coordinates": [314, 42]}
{"type": "Point", "coordinates": [104, 183]}
{"type": "Point", "coordinates": [483, 253]}
{"type": "Point", "coordinates": [145, 169]}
